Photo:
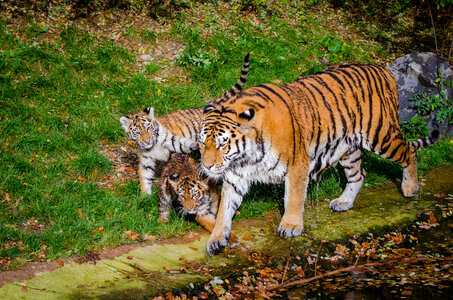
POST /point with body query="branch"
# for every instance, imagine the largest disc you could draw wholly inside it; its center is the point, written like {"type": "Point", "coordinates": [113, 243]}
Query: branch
{"type": "Point", "coordinates": [353, 267]}
{"type": "Point", "coordinates": [434, 29]}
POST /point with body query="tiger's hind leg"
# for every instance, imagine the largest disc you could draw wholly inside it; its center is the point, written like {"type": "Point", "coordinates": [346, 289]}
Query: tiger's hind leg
{"type": "Point", "coordinates": [355, 175]}
{"type": "Point", "coordinates": [400, 151]}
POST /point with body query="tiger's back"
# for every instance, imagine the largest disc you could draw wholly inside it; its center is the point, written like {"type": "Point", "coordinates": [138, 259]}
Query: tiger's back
{"type": "Point", "coordinates": [183, 122]}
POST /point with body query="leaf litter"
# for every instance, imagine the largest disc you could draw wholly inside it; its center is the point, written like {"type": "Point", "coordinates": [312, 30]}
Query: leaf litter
{"type": "Point", "coordinates": [401, 263]}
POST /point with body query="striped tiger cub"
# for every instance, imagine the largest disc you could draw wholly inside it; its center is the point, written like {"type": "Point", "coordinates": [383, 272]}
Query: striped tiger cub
{"type": "Point", "coordinates": [198, 196]}
{"type": "Point", "coordinates": [157, 137]}
{"type": "Point", "coordinates": [290, 133]}
{"type": "Point", "coordinates": [178, 131]}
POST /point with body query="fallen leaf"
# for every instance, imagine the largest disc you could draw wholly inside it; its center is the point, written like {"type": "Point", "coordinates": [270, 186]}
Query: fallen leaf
{"type": "Point", "coordinates": [130, 169]}
{"type": "Point", "coordinates": [60, 262]}
{"type": "Point", "coordinates": [193, 248]}
{"type": "Point", "coordinates": [247, 238]}
{"type": "Point", "coordinates": [148, 237]}
{"type": "Point", "coordinates": [129, 257]}
{"type": "Point", "coordinates": [7, 197]}
{"type": "Point", "coordinates": [432, 219]}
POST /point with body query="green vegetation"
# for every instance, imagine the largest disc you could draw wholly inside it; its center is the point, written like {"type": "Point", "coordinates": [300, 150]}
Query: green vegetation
{"type": "Point", "coordinates": [64, 86]}
{"type": "Point", "coordinates": [438, 105]}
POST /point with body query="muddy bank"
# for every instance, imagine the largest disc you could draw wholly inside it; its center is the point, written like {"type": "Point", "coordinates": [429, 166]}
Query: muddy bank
{"type": "Point", "coordinates": [139, 271]}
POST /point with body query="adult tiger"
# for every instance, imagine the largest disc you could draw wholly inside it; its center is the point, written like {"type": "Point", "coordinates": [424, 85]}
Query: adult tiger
{"type": "Point", "coordinates": [178, 131]}
{"type": "Point", "coordinates": [290, 133]}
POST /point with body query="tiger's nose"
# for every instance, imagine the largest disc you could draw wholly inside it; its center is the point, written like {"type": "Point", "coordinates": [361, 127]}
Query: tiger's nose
{"type": "Point", "coordinates": [208, 166]}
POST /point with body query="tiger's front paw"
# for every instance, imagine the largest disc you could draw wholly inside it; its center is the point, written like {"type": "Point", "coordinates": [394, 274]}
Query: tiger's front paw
{"type": "Point", "coordinates": [215, 244]}
{"type": "Point", "coordinates": [409, 189]}
{"type": "Point", "coordinates": [290, 230]}
{"type": "Point", "coordinates": [340, 204]}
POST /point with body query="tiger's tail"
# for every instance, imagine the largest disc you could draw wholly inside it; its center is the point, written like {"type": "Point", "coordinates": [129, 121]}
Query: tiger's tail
{"type": "Point", "coordinates": [426, 141]}
{"type": "Point", "coordinates": [237, 88]}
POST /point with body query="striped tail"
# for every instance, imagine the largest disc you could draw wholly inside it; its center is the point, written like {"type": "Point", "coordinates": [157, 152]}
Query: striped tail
{"type": "Point", "coordinates": [426, 141]}
{"type": "Point", "coordinates": [237, 88]}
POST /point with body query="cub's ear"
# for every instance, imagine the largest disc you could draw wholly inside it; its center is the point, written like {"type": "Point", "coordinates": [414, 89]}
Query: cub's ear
{"type": "Point", "coordinates": [174, 176]}
{"type": "Point", "coordinates": [125, 122]}
{"type": "Point", "coordinates": [208, 108]}
{"type": "Point", "coordinates": [149, 111]}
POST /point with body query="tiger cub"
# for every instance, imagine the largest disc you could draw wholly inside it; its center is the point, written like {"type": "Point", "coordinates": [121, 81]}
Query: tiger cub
{"type": "Point", "coordinates": [290, 133]}
{"type": "Point", "coordinates": [157, 137]}
{"type": "Point", "coordinates": [198, 196]}
{"type": "Point", "coordinates": [178, 131]}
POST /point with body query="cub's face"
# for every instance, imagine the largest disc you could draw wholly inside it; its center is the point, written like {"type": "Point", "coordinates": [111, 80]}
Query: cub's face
{"type": "Point", "coordinates": [223, 137]}
{"type": "Point", "coordinates": [141, 128]}
{"type": "Point", "coordinates": [191, 191]}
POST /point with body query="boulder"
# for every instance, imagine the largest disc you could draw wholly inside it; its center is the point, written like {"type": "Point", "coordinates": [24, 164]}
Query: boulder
{"type": "Point", "coordinates": [417, 73]}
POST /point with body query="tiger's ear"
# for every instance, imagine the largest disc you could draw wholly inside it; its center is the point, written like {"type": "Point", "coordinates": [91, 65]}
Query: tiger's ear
{"type": "Point", "coordinates": [125, 122]}
{"type": "Point", "coordinates": [149, 111]}
{"type": "Point", "coordinates": [174, 176]}
{"type": "Point", "coordinates": [208, 108]}
{"type": "Point", "coordinates": [248, 114]}
{"type": "Point", "coordinates": [246, 119]}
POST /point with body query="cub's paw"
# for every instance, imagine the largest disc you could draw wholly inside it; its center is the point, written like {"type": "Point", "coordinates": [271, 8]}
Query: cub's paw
{"type": "Point", "coordinates": [290, 230]}
{"type": "Point", "coordinates": [162, 220]}
{"type": "Point", "coordinates": [340, 205]}
{"type": "Point", "coordinates": [216, 244]}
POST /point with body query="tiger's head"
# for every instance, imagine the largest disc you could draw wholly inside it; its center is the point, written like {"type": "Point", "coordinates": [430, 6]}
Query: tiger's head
{"type": "Point", "coordinates": [193, 192]}
{"type": "Point", "coordinates": [141, 127]}
{"type": "Point", "coordinates": [225, 132]}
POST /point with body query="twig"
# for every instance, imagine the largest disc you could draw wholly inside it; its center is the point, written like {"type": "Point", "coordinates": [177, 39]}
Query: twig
{"type": "Point", "coordinates": [434, 28]}
{"type": "Point", "coordinates": [353, 267]}
{"type": "Point", "coordinates": [33, 288]}
{"type": "Point", "coordinates": [449, 51]}
{"type": "Point", "coordinates": [317, 256]}
{"type": "Point", "coordinates": [286, 268]}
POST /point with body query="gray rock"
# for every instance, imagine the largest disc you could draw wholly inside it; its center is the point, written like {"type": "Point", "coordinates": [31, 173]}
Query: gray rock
{"type": "Point", "coordinates": [417, 73]}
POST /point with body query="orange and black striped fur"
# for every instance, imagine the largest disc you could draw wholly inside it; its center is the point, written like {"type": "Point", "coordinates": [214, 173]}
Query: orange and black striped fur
{"type": "Point", "coordinates": [197, 195]}
{"type": "Point", "coordinates": [157, 137]}
{"type": "Point", "coordinates": [290, 133]}
{"type": "Point", "coordinates": [178, 131]}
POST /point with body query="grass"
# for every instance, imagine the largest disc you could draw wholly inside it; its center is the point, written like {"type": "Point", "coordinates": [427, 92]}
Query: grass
{"type": "Point", "coordinates": [60, 101]}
